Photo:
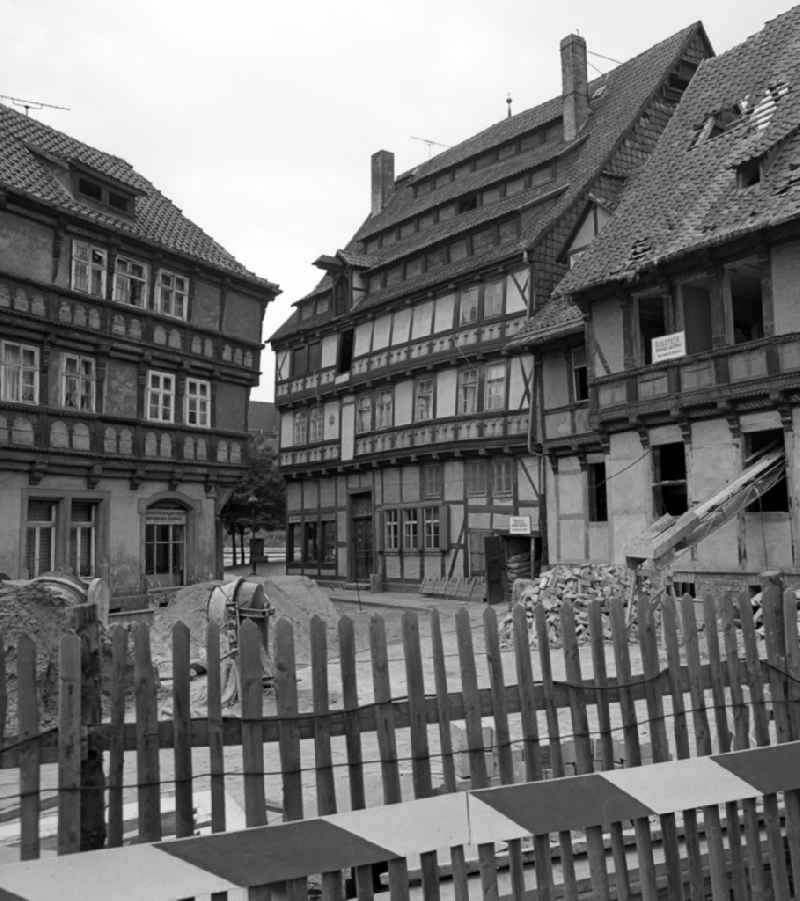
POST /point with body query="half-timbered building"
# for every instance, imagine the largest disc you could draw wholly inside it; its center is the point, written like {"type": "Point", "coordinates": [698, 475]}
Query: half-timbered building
{"type": "Point", "coordinates": [404, 407]}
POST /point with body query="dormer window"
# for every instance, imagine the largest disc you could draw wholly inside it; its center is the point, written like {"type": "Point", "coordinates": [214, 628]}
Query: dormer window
{"type": "Point", "coordinates": [748, 173]}
{"type": "Point", "coordinates": [467, 203]}
{"type": "Point", "coordinates": [98, 192]}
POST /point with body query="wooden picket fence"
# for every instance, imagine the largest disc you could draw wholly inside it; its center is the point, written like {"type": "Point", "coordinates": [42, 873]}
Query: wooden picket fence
{"type": "Point", "coordinates": [674, 705]}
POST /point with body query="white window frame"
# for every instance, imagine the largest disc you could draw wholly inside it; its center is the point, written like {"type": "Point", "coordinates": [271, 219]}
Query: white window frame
{"type": "Point", "coordinates": [384, 408]}
{"type": "Point", "coordinates": [168, 297]}
{"type": "Point", "coordinates": [503, 485]}
{"type": "Point", "coordinates": [79, 376]}
{"type": "Point", "coordinates": [469, 390]}
{"type": "Point", "coordinates": [202, 403]}
{"type": "Point", "coordinates": [36, 526]}
{"type": "Point", "coordinates": [316, 426]}
{"type": "Point", "coordinates": [469, 314]}
{"type": "Point", "coordinates": [157, 393]}
{"type": "Point", "coordinates": [431, 528]}
{"type": "Point", "coordinates": [19, 368]}
{"type": "Point", "coordinates": [495, 387]}
{"type": "Point", "coordinates": [411, 535]}
{"type": "Point", "coordinates": [84, 530]}
{"type": "Point", "coordinates": [427, 396]}
{"type": "Point", "coordinates": [95, 260]}
{"type": "Point", "coordinates": [300, 428]}
{"type": "Point", "coordinates": [125, 278]}
{"type": "Point", "coordinates": [391, 526]}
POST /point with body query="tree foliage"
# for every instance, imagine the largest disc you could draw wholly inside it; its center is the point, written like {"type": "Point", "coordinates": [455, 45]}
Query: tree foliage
{"type": "Point", "coordinates": [263, 482]}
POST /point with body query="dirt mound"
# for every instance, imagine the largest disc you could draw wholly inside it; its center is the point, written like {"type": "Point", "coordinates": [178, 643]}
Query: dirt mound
{"type": "Point", "coordinates": [187, 606]}
{"type": "Point", "coordinates": [298, 599]}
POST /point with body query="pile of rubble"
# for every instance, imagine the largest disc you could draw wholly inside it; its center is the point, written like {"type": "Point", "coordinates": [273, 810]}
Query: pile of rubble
{"type": "Point", "coordinates": [582, 585]}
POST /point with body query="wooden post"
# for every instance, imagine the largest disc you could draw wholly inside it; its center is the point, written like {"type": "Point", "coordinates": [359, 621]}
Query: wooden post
{"type": "Point", "coordinates": [182, 731]}
{"type": "Point", "coordinates": [83, 619]}
{"type": "Point", "coordinates": [70, 797]}
{"type": "Point", "coordinates": [28, 729]}
{"type": "Point", "coordinates": [116, 764]}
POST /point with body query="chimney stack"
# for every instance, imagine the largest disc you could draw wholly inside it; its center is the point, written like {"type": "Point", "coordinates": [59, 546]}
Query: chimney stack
{"type": "Point", "coordinates": [574, 82]}
{"type": "Point", "coordinates": [382, 179]}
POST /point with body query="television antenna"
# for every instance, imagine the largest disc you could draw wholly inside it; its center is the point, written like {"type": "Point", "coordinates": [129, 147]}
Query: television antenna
{"type": "Point", "coordinates": [29, 105]}
{"type": "Point", "coordinates": [429, 143]}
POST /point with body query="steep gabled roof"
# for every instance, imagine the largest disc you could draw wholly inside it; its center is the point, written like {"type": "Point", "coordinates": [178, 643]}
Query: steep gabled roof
{"type": "Point", "coordinates": [616, 101]}
{"type": "Point", "coordinates": [34, 159]}
{"type": "Point", "coordinates": [742, 107]}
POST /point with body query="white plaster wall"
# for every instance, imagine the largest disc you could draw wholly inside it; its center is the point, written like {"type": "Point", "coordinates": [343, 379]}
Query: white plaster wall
{"type": "Point", "coordinates": [630, 494]}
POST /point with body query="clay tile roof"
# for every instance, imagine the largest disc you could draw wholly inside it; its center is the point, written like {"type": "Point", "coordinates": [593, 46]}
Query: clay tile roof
{"type": "Point", "coordinates": [743, 106]}
{"type": "Point", "coordinates": [34, 159]}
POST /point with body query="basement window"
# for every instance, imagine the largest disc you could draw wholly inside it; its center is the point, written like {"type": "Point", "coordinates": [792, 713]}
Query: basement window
{"type": "Point", "coordinates": [598, 500]}
{"type": "Point", "coordinates": [776, 499]}
{"type": "Point", "coordinates": [746, 302]}
{"type": "Point", "coordinates": [669, 480]}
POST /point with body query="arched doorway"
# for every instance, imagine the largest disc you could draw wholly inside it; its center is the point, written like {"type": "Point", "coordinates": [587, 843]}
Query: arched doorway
{"type": "Point", "coordinates": [165, 543]}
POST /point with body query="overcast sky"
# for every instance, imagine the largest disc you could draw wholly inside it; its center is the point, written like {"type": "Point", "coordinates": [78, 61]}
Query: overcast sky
{"type": "Point", "coordinates": [258, 119]}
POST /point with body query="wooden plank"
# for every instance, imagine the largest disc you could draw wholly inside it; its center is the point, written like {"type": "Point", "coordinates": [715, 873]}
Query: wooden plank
{"type": "Point", "coordinates": [28, 729]}
{"type": "Point", "coordinates": [420, 752]}
{"type": "Point", "coordinates": [505, 757]}
{"type": "Point", "coordinates": [181, 720]}
{"type": "Point", "coordinates": [711, 822]}
{"type": "Point", "coordinates": [554, 740]}
{"type": "Point", "coordinates": [791, 665]}
{"type": "Point", "coordinates": [621, 880]}
{"type": "Point", "coordinates": [755, 864]}
{"type": "Point", "coordinates": [216, 756]}
{"type": "Point", "coordinates": [531, 749]}
{"type": "Point", "coordinates": [3, 690]}
{"type": "Point", "coordinates": [583, 746]}
{"type": "Point", "coordinates": [147, 760]}
{"type": "Point", "coordinates": [633, 756]}
{"type": "Point", "coordinates": [116, 756]}
{"type": "Point", "coordinates": [69, 744]}
{"type": "Point", "coordinates": [733, 825]}
{"type": "Point", "coordinates": [460, 882]}
{"type": "Point", "coordinates": [691, 835]}
{"type": "Point", "coordinates": [289, 741]}
{"type": "Point", "coordinates": [755, 674]}
{"type": "Point", "coordinates": [355, 767]}
{"type": "Point", "coordinates": [323, 761]}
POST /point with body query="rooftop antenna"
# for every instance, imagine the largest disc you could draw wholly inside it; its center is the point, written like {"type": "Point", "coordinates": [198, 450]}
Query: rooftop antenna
{"type": "Point", "coordinates": [29, 105]}
{"type": "Point", "coordinates": [430, 143]}
{"type": "Point", "coordinates": [508, 101]}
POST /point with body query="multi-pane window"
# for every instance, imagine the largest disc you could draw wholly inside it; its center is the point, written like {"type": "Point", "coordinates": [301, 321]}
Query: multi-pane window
{"type": "Point", "coordinates": [580, 380]}
{"type": "Point", "coordinates": [40, 548]}
{"type": "Point", "coordinates": [130, 282]}
{"type": "Point", "coordinates": [423, 400]}
{"type": "Point", "coordinates": [493, 299]}
{"type": "Point", "coordinates": [197, 402]}
{"type": "Point", "coordinates": [82, 537]}
{"type": "Point", "coordinates": [160, 401]}
{"type": "Point", "coordinates": [311, 551]}
{"type": "Point", "coordinates": [468, 305]}
{"type": "Point", "coordinates": [410, 529]}
{"type": "Point", "coordinates": [384, 408]}
{"type": "Point", "coordinates": [495, 391]}
{"type": "Point", "coordinates": [430, 528]}
{"type": "Point", "coordinates": [432, 480]}
{"type": "Point", "coordinates": [300, 427]}
{"type": "Point", "coordinates": [77, 385]}
{"type": "Point", "coordinates": [364, 413]}
{"type": "Point", "coordinates": [329, 541]}
{"type": "Point", "coordinates": [391, 525]}
{"type": "Point", "coordinates": [19, 373]}
{"type": "Point", "coordinates": [172, 294]}
{"type": "Point", "coordinates": [316, 424]}
{"type": "Point", "coordinates": [468, 383]}
{"type": "Point", "coordinates": [475, 477]}
{"type": "Point", "coordinates": [89, 266]}
{"type": "Point", "coordinates": [502, 476]}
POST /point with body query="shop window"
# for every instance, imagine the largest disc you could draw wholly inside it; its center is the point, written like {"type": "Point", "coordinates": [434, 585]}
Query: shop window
{"type": "Point", "coordinates": [598, 501]}
{"type": "Point", "coordinates": [345, 360]}
{"type": "Point", "coordinates": [580, 374]}
{"type": "Point", "coordinates": [746, 303]}
{"type": "Point", "coordinates": [40, 546]}
{"type": "Point", "coordinates": [652, 324]}
{"type": "Point", "coordinates": [475, 477]}
{"type": "Point", "coordinates": [669, 480]}
{"type": "Point", "coordinates": [391, 540]}
{"type": "Point", "coordinates": [329, 541]}
{"type": "Point", "coordinates": [295, 542]}
{"type": "Point", "coordinates": [776, 499]}
{"type": "Point", "coordinates": [696, 299]}
{"type": "Point", "coordinates": [432, 480]}
{"type": "Point", "coordinates": [310, 547]}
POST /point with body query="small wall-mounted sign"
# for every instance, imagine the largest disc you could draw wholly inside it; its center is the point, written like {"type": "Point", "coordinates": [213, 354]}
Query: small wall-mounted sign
{"type": "Point", "coordinates": [519, 525]}
{"type": "Point", "coordinates": [669, 347]}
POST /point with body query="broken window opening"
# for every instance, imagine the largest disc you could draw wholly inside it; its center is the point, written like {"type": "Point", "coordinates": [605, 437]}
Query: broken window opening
{"type": "Point", "coordinates": [746, 303]}
{"type": "Point", "coordinates": [748, 173]}
{"type": "Point", "coordinates": [652, 324]}
{"type": "Point", "coordinates": [670, 493]}
{"type": "Point", "coordinates": [696, 299]}
{"type": "Point", "coordinates": [775, 499]}
{"type": "Point", "coordinates": [345, 361]}
{"type": "Point", "coordinates": [598, 499]}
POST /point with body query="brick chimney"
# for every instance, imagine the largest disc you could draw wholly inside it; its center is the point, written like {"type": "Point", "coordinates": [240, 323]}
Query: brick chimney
{"type": "Point", "coordinates": [382, 179]}
{"type": "Point", "coordinates": [574, 82]}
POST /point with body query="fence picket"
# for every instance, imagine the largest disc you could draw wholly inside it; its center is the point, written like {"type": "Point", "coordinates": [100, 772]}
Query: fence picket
{"type": "Point", "coordinates": [621, 879]}
{"type": "Point", "coordinates": [531, 748]}
{"type": "Point", "coordinates": [182, 725]}
{"type": "Point", "coordinates": [355, 767]}
{"type": "Point", "coordinates": [692, 839]}
{"type": "Point", "coordinates": [457, 860]}
{"type": "Point", "coordinates": [27, 729]}
{"type": "Point", "coordinates": [554, 744]}
{"type": "Point", "coordinates": [147, 760]}
{"type": "Point", "coordinates": [505, 756]}
{"type": "Point", "coordinates": [791, 667]}
{"type": "Point", "coordinates": [116, 755]}
{"type": "Point", "coordinates": [216, 753]}
{"type": "Point", "coordinates": [582, 743]}
{"type": "Point", "coordinates": [69, 744]}
{"type": "Point", "coordinates": [289, 737]}
{"type": "Point", "coordinates": [732, 823]}
{"type": "Point", "coordinates": [420, 756]}
{"type": "Point", "coordinates": [3, 690]}
{"type": "Point", "coordinates": [633, 755]}
{"type": "Point", "coordinates": [323, 761]}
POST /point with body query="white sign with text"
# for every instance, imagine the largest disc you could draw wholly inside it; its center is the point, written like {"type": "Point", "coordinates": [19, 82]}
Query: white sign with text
{"type": "Point", "coordinates": [669, 347]}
